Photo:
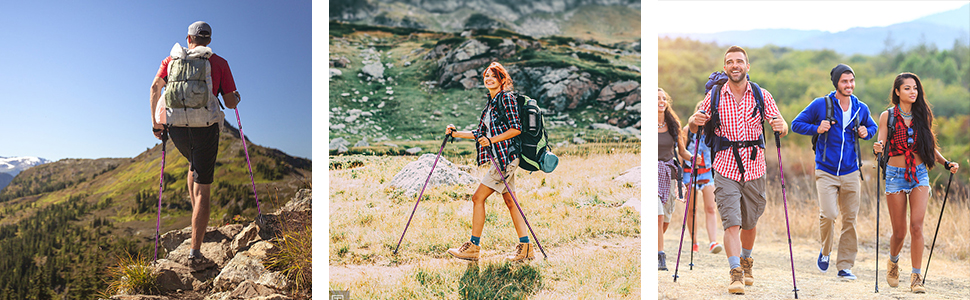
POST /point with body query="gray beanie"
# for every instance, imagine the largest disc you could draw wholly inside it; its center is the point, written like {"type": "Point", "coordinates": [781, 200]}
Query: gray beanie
{"type": "Point", "coordinates": [837, 72]}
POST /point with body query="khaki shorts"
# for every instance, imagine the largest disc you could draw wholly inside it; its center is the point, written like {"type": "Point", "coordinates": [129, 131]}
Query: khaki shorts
{"type": "Point", "coordinates": [667, 210]}
{"type": "Point", "coordinates": [739, 203]}
{"type": "Point", "coordinates": [493, 179]}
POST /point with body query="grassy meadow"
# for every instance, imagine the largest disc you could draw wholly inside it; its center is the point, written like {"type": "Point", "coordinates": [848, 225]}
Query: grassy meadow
{"type": "Point", "coordinates": [593, 243]}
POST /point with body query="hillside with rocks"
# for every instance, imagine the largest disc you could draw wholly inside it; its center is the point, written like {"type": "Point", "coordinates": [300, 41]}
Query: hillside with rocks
{"type": "Point", "coordinates": [236, 258]}
{"type": "Point", "coordinates": [396, 84]}
{"type": "Point", "coordinates": [63, 224]}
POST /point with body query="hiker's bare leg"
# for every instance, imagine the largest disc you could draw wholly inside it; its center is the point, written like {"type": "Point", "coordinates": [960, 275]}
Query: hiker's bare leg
{"type": "Point", "coordinates": [660, 235]}
{"type": "Point", "coordinates": [710, 210]}
{"type": "Point", "coordinates": [691, 213]}
{"type": "Point", "coordinates": [896, 203]}
{"type": "Point", "coordinates": [917, 210]}
{"type": "Point", "coordinates": [747, 237]}
{"type": "Point", "coordinates": [517, 220]}
{"type": "Point", "coordinates": [732, 241]}
{"type": "Point", "coordinates": [200, 211]}
{"type": "Point", "coordinates": [478, 211]}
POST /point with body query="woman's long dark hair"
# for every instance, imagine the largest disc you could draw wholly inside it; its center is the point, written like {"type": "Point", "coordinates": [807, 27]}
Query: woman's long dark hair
{"type": "Point", "coordinates": [922, 120]}
{"type": "Point", "coordinates": [670, 117]}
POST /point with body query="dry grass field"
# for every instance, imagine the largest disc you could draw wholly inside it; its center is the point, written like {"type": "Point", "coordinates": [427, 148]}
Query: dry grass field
{"type": "Point", "coordinates": [592, 242]}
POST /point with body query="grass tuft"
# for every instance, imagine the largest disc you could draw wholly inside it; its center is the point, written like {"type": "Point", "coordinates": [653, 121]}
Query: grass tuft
{"type": "Point", "coordinates": [499, 281]}
{"type": "Point", "coordinates": [132, 275]}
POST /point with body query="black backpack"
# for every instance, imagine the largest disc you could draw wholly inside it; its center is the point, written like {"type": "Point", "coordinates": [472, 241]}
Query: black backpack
{"type": "Point", "coordinates": [717, 143]}
{"type": "Point", "coordinates": [532, 145]}
{"type": "Point", "coordinates": [830, 116]}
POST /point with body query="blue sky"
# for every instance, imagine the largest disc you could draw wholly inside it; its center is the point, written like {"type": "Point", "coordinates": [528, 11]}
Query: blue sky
{"type": "Point", "coordinates": [76, 75]}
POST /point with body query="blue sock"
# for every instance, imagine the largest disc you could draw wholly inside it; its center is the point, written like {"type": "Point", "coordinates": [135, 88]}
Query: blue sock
{"type": "Point", "coordinates": [476, 240]}
{"type": "Point", "coordinates": [734, 261]}
{"type": "Point", "coordinates": [745, 253]}
{"type": "Point", "coordinates": [916, 271]}
{"type": "Point", "coordinates": [894, 258]}
{"type": "Point", "coordinates": [524, 239]}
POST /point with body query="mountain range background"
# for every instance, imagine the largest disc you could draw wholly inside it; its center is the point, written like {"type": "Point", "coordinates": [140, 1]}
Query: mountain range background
{"type": "Point", "coordinates": [940, 30]}
{"type": "Point", "coordinates": [11, 166]}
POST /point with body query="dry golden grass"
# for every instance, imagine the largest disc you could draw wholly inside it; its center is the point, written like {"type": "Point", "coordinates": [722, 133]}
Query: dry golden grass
{"type": "Point", "coordinates": [592, 243]}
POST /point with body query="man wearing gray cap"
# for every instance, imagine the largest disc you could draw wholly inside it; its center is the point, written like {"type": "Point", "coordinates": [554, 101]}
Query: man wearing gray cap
{"type": "Point", "coordinates": [836, 122]}
{"type": "Point", "coordinates": [192, 78]}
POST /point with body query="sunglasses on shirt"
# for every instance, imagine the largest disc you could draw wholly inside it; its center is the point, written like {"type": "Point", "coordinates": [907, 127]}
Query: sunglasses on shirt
{"type": "Point", "coordinates": [909, 132]}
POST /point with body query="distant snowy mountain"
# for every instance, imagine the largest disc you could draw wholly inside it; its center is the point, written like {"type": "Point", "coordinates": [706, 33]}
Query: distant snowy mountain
{"type": "Point", "coordinates": [14, 165]}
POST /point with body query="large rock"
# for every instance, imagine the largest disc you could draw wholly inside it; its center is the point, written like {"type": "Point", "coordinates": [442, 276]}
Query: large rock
{"type": "Point", "coordinates": [414, 174]}
{"type": "Point", "coordinates": [339, 144]}
{"type": "Point", "coordinates": [375, 70]}
{"type": "Point", "coordinates": [248, 265]}
{"type": "Point", "coordinates": [215, 247]}
{"type": "Point", "coordinates": [631, 176]}
{"type": "Point", "coordinates": [173, 276]}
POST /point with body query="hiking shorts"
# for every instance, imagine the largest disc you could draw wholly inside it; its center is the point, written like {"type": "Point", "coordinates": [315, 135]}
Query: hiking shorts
{"type": "Point", "coordinates": [493, 180]}
{"type": "Point", "coordinates": [667, 209]}
{"type": "Point", "coordinates": [739, 203]}
{"type": "Point", "coordinates": [896, 179]}
{"type": "Point", "coordinates": [199, 145]}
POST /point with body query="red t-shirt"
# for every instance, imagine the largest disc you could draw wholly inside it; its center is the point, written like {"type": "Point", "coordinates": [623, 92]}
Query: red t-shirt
{"type": "Point", "coordinates": [222, 82]}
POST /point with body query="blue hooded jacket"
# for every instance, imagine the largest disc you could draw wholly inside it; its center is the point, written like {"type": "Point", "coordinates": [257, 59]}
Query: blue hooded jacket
{"type": "Point", "coordinates": [838, 143]}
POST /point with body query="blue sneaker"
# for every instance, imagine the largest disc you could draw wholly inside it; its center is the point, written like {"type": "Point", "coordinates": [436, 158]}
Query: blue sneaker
{"type": "Point", "coordinates": [823, 262]}
{"type": "Point", "coordinates": [846, 275]}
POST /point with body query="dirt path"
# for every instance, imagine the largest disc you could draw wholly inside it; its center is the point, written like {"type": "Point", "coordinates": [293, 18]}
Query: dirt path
{"type": "Point", "coordinates": [773, 276]}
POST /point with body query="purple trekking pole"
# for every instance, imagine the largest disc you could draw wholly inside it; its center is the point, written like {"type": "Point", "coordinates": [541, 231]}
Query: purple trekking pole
{"type": "Point", "coordinates": [259, 212]}
{"type": "Point", "coordinates": [422, 191]}
{"type": "Point", "coordinates": [491, 156]}
{"type": "Point", "coordinates": [161, 184]}
{"type": "Point", "coordinates": [785, 199]}
{"type": "Point", "coordinates": [692, 195]}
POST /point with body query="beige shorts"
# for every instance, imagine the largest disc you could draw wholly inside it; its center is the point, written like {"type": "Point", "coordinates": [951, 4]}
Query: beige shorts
{"type": "Point", "coordinates": [493, 179]}
{"type": "Point", "coordinates": [667, 209]}
{"type": "Point", "coordinates": [739, 203]}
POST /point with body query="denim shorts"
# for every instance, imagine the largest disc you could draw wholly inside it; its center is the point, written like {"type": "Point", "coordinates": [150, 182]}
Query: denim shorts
{"type": "Point", "coordinates": [709, 176]}
{"type": "Point", "coordinates": [896, 180]}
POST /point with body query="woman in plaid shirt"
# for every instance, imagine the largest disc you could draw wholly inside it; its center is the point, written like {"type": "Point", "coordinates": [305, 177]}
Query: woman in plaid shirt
{"type": "Point", "coordinates": [495, 128]}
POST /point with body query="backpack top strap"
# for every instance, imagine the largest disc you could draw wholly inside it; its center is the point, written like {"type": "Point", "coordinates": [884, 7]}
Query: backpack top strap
{"type": "Point", "coordinates": [829, 108]}
{"type": "Point", "coordinates": [759, 100]}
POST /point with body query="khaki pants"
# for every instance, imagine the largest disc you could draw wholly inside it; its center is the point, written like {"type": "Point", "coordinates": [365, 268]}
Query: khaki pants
{"type": "Point", "coordinates": [838, 194]}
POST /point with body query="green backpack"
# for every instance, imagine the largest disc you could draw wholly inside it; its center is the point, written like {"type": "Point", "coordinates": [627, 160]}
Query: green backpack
{"type": "Point", "coordinates": [189, 101]}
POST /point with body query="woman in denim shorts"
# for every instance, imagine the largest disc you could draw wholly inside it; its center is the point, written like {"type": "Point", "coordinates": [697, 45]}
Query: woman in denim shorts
{"type": "Point", "coordinates": [912, 151]}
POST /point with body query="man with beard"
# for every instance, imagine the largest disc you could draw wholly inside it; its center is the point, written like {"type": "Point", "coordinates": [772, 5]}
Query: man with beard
{"type": "Point", "coordinates": [739, 160]}
{"type": "Point", "coordinates": [837, 121]}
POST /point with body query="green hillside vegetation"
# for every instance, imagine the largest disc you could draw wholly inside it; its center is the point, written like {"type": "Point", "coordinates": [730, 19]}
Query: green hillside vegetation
{"type": "Point", "coordinates": [408, 113]}
{"type": "Point", "coordinates": [60, 239]}
{"type": "Point", "coordinates": [796, 77]}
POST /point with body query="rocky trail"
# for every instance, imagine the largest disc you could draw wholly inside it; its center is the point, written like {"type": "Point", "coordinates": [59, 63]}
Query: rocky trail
{"type": "Point", "coordinates": [947, 279]}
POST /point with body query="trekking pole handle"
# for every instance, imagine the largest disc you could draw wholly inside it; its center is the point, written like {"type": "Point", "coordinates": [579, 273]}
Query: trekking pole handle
{"type": "Point", "coordinates": [777, 135]}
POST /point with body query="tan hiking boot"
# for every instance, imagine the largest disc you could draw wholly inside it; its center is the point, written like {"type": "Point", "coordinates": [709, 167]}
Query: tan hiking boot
{"type": "Point", "coordinates": [916, 284]}
{"type": "Point", "coordinates": [467, 251]}
{"type": "Point", "coordinates": [892, 273]}
{"type": "Point", "coordinates": [737, 281]}
{"type": "Point", "coordinates": [523, 252]}
{"type": "Point", "coordinates": [746, 264]}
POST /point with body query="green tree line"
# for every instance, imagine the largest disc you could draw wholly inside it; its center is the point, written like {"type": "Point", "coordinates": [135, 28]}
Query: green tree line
{"type": "Point", "coordinates": [796, 77]}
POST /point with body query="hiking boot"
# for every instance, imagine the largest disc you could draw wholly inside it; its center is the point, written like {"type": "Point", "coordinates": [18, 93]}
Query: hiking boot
{"type": "Point", "coordinates": [746, 264]}
{"type": "Point", "coordinates": [737, 281]}
{"type": "Point", "coordinates": [846, 275]}
{"type": "Point", "coordinates": [716, 248]}
{"type": "Point", "coordinates": [892, 273]}
{"type": "Point", "coordinates": [917, 284]}
{"type": "Point", "coordinates": [467, 251]}
{"type": "Point", "coordinates": [523, 252]}
{"type": "Point", "coordinates": [822, 263]}
{"type": "Point", "coordinates": [663, 262]}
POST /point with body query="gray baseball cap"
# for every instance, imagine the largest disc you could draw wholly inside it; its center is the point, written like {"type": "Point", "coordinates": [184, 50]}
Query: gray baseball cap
{"type": "Point", "coordinates": [200, 29]}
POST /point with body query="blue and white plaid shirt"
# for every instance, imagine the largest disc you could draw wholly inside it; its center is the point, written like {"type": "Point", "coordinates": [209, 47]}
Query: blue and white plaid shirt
{"type": "Point", "coordinates": [497, 126]}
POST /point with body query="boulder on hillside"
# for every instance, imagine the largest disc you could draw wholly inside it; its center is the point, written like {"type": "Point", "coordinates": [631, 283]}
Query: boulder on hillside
{"type": "Point", "coordinates": [375, 70]}
{"type": "Point", "coordinates": [414, 174]}
{"type": "Point", "coordinates": [631, 176]}
{"type": "Point", "coordinates": [339, 144]}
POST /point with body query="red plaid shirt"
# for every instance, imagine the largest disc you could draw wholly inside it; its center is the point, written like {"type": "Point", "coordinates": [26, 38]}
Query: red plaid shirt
{"type": "Point", "coordinates": [899, 145]}
{"type": "Point", "coordinates": [738, 124]}
{"type": "Point", "coordinates": [497, 126]}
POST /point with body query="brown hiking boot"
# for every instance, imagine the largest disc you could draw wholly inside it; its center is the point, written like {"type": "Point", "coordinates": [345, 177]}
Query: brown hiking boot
{"type": "Point", "coordinates": [917, 284]}
{"type": "Point", "coordinates": [737, 281]}
{"type": "Point", "coordinates": [892, 273]}
{"type": "Point", "coordinates": [746, 264]}
{"type": "Point", "coordinates": [467, 251]}
{"type": "Point", "coordinates": [523, 252]}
